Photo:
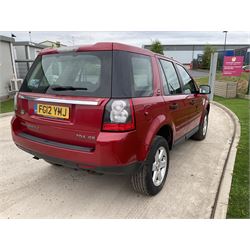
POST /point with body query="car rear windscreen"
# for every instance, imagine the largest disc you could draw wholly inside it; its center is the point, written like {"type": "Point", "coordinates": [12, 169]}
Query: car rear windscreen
{"type": "Point", "coordinates": [117, 74]}
{"type": "Point", "coordinates": [73, 73]}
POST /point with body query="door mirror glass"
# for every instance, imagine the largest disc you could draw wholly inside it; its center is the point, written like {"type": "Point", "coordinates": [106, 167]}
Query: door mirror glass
{"type": "Point", "coordinates": [204, 89]}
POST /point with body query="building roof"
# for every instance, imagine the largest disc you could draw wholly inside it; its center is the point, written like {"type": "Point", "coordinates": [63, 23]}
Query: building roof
{"type": "Point", "coordinates": [55, 43]}
{"type": "Point", "coordinates": [7, 39]}
{"type": "Point", "coordinates": [190, 47]}
{"type": "Point", "coordinates": [31, 44]}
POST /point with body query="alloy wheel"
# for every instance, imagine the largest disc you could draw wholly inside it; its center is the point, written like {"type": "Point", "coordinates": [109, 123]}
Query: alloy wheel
{"type": "Point", "coordinates": [159, 166]}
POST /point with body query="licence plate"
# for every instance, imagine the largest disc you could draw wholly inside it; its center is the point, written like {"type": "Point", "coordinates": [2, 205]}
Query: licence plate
{"type": "Point", "coordinates": [52, 111]}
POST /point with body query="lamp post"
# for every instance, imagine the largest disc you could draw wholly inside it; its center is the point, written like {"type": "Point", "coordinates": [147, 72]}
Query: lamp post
{"type": "Point", "coordinates": [30, 35]}
{"type": "Point", "coordinates": [225, 42]}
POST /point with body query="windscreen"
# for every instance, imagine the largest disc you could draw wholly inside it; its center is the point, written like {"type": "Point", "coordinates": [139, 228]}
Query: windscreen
{"type": "Point", "coordinates": [73, 73]}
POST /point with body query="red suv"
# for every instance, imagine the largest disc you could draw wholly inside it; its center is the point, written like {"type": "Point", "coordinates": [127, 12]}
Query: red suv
{"type": "Point", "coordinates": [109, 108]}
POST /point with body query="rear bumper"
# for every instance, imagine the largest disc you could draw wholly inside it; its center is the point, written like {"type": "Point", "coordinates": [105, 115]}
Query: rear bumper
{"type": "Point", "coordinates": [118, 170]}
{"type": "Point", "coordinates": [114, 153]}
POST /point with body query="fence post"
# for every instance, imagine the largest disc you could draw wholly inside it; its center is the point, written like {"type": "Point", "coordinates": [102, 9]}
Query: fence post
{"type": "Point", "coordinates": [248, 91]}
{"type": "Point", "coordinates": [212, 73]}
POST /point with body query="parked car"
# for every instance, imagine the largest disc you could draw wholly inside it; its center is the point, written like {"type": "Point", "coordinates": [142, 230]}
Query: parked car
{"type": "Point", "coordinates": [109, 108]}
{"type": "Point", "coordinates": [246, 68]}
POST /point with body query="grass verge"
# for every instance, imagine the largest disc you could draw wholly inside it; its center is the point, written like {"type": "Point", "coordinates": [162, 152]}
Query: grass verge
{"type": "Point", "coordinates": [7, 106]}
{"type": "Point", "coordinates": [239, 194]}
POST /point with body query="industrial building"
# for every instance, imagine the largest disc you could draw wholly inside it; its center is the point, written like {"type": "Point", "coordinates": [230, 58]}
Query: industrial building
{"type": "Point", "coordinates": [52, 44]}
{"type": "Point", "coordinates": [185, 53]}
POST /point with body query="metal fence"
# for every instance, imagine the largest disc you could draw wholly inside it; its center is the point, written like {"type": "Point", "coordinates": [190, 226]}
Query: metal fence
{"type": "Point", "coordinates": [22, 67]}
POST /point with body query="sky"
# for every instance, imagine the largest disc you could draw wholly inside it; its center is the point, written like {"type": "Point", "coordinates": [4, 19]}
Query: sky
{"type": "Point", "coordinates": [137, 38]}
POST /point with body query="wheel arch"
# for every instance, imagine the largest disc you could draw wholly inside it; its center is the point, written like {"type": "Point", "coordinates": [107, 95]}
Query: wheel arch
{"type": "Point", "coordinates": [160, 126]}
{"type": "Point", "coordinates": [166, 132]}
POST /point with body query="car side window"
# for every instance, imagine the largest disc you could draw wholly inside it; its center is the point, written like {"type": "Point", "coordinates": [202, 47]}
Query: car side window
{"type": "Point", "coordinates": [142, 75]}
{"type": "Point", "coordinates": [171, 76]}
{"type": "Point", "coordinates": [164, 81]}
{"type": "Point", "coordinates": [188, 83]}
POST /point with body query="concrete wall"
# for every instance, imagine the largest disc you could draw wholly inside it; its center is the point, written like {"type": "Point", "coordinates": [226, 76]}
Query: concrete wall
{"type": "Point", "coordinates": [6, 68]}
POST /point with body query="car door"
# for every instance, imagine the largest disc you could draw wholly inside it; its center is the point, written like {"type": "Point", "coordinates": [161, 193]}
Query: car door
{"type": "Point", "coordinates": [193, 102]}
{"type": "Point", "coordinates": [174, 100]}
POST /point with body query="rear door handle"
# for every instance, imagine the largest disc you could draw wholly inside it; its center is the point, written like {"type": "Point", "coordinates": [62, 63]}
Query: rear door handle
{"type": "Point", "coordinates": [174, 106]}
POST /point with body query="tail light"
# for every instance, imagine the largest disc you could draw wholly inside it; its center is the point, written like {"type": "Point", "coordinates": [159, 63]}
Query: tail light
{"type": "Point", "coordinates": [119, 116]}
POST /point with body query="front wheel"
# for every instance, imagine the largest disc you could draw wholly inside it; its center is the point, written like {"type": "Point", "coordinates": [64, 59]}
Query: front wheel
{"type": "Point", "coordinates": [151, 177]}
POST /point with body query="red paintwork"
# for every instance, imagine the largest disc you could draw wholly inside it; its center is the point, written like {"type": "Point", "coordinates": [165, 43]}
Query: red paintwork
{"type": "Point", "coordinates": [110, 148]}
{"type": "Point", "coordinates": [97, 47]}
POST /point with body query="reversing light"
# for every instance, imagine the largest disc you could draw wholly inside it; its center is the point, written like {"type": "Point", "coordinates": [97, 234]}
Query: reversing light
{"type": "Point", "coordinates": [119, 115]}
{"type": "Point", "coordinates": [118, 112]}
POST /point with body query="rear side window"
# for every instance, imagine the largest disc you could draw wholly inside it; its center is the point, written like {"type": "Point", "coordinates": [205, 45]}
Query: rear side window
{"type": "Point", "coordinates": [142, 75]}
{"type": "Point", "coordinates": [171, 76]}
{"type": "Point", "coordinates": [188, 83]}
{"type": "Point", "coordinates": [132, 75]}
{"type": "Point", "coordinates": [164, 81]}
{"type": "Point", "coordinates": [78, 73]}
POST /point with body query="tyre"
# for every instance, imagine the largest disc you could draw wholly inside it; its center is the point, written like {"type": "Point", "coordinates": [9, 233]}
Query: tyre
{"type": "Point", "coordinates": [202, 132]}
{"type": "Point", "coordinates": [150, 178]}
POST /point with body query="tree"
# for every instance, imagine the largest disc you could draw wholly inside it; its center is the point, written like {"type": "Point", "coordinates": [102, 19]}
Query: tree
{"type": "Point", "coordinates": [207, 56]}
{"type": "Point", "coordinates": [156, 47]}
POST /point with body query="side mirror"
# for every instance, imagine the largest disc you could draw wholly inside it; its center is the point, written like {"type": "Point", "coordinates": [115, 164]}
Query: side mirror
{"type": "Point", "coordinates": [204, 89]}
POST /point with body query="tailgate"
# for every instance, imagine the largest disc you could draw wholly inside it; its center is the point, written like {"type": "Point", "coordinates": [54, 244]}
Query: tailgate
{"type": "Point", "coordinates": [67, 119]}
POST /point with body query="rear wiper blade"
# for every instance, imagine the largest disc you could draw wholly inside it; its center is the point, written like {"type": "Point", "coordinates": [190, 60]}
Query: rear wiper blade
{"type": "Point", "coordinates": [61, 88]}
